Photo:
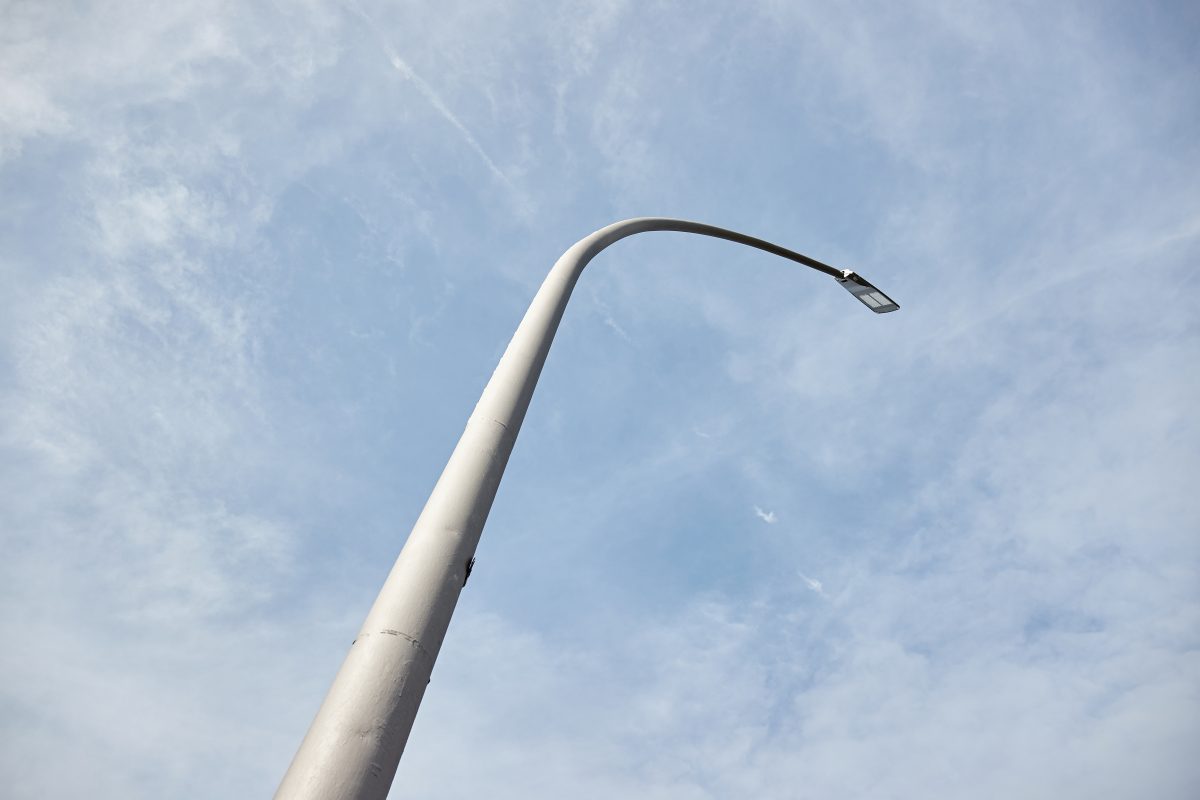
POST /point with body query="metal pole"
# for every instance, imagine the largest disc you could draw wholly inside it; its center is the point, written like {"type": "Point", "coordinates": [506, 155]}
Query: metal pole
{"type": "Point", "coordinates": [353, 747]}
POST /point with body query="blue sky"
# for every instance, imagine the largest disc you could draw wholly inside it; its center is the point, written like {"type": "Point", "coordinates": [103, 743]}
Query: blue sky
{"type": "Point", "coordinates": [754, 541]}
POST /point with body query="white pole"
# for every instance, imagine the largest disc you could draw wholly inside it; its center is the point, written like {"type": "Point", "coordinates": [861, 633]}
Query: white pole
{"type": "Point", "coordinates": [353, 747]}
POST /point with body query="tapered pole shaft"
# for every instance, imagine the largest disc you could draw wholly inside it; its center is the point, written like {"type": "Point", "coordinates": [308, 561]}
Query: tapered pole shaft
{"type": "Point", "coordinates": [354, 744]}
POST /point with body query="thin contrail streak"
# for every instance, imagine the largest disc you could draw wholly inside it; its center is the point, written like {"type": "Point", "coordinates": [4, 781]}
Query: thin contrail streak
{"type": "Point", "coordinates": [434, 100]}
{"type": "Point", "coordinates": [430, 95]}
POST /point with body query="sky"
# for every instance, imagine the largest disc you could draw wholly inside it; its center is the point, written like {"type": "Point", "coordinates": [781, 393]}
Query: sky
{"type": "Point", "coordinates": [259, 259]}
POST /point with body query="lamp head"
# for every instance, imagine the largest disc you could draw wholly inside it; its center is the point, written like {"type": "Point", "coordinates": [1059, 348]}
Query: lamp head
{"type": "Point", "coordinates": [867, 293]}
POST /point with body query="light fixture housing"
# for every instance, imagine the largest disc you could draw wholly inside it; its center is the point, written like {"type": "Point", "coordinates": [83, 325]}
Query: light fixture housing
{"type": "Point", "coordinates": [867, 293]}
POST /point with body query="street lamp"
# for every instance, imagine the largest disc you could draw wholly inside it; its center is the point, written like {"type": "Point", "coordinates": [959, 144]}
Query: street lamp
{"type": "Point", "coordinates": [354, 744]}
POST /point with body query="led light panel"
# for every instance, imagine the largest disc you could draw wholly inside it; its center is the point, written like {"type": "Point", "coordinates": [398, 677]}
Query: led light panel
{"type": "Point", "coordinates": [867, 294]}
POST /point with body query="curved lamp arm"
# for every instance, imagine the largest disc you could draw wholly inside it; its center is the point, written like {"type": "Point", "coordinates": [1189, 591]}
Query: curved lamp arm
{"type": "Point", "coordinates": [353, 747]}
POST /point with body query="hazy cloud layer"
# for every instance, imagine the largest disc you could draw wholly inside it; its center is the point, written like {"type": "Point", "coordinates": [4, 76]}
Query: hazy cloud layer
{"type": "Point", "coordinates": [754, 540]}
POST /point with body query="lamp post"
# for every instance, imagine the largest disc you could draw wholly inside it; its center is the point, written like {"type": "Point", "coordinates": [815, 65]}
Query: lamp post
{"type": "Point", "coordinates": [353, 746]}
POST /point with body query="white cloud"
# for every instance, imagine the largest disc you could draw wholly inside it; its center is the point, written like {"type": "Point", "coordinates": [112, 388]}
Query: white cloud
{"type": "Point", "coordinates": [812, 583]}
{"type": "Point", "coordinates": [720, 701]}
{"type": "Point", "coordinates": [766, 516]}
